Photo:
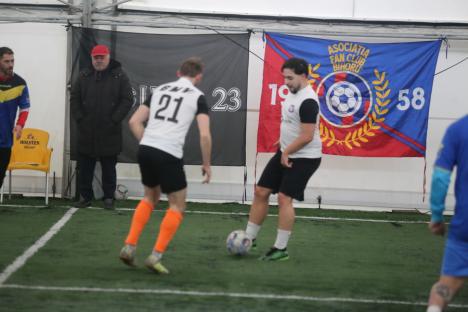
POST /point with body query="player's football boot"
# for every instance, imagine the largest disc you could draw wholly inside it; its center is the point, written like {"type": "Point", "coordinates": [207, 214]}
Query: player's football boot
{"type": "Point", "coordinates": [275, 254]}
{"type": "Point", "coordinates": [127, 255]}
{"type": "Point", "coordinates": [154, 264]}
{"type": "Point", "coordinates": [254, 244]}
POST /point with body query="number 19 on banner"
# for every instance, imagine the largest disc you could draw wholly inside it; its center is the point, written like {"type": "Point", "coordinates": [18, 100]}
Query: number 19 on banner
{"type": "Point", "coordinates": [282, 91]}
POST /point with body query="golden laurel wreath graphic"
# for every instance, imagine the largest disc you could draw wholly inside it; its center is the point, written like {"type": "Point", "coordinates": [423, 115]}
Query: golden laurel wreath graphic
{"type": "Point", "coordinates": [359, 136]}
{"type": "Point", "coordinates": [313, 74]}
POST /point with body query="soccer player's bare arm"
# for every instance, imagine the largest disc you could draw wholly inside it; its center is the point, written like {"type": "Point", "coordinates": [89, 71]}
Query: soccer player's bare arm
{"type": "Point", "coordinates": [137, 121]}
{"type": "Point", "coordinates": [437, 228]}
{"type": "Point", "coordinates": [203, 121]}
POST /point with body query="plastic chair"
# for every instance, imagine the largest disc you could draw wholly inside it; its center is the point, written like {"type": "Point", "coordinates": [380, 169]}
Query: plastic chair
{"type": "Point", "coordinates": [30, 152]}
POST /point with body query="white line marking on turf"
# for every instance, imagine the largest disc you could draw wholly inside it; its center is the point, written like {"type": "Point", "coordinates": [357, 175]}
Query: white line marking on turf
{"type": "Point", "coordinates": [21, 260]}
{"type": "Point", "coordinates": [297, 217]}
{"type": "Point", "coordinates": [307, 217]}
{"type": "Point", "coordinates": [246, 214]}
{"type": "Point", "coordinates": [221, 294]}
{"type": "Point", "coordinates": [22, 206]}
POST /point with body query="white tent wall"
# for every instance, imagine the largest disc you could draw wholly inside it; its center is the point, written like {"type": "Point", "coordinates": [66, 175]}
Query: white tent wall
{"type": "Point", "coordinates": [412, 10]}
{"type": "Point", "coordinates": [41, 52]}
{"type": "Point", "coordinates": [397, 10]}
{"type": "Point", "coordinates": [40, 58]}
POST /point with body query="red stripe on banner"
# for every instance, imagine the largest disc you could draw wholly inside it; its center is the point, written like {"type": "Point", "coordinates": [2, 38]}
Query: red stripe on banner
{"type": "Point", "coordinates": [381, 144]}
{"type": "Point", "coordinates": [270, 103]}
{"type": "Point", "coordinates": [340, 77]}
{"type": "Point", "coordinates": [321, 91]}
{"type": "Point", "coordinates": [346, 121]}
{"type": "Point", "coordinates": [313, 85]}
{"type": "Point", "coordinates": [276, 44]}
{"type": "Point", "coordinates": [366, 105]}
{"type": "Point", "coordinates": [401, 135]}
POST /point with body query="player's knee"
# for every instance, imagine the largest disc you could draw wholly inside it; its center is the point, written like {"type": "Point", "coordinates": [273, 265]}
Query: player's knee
{"type": "Point", "coordinates": [262, 193]}
{"type": "Point", "coordinates": [284, 199]}
{"type": "Point", "coordinates": [179, 207]}
{"type": "Point", "coordinates": [150, 200]}
{"type": "Point", "coordinates": [443, 291]}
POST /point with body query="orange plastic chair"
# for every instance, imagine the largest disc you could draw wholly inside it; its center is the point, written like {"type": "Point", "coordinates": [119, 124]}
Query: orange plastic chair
{"type": "Point", "coordinates": [30, 152]}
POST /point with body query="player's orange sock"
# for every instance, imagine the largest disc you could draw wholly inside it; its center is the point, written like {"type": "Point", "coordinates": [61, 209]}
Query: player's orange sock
{"type": "Point", "coordinates": [140, 217]}
{"type": "Point", "coordinates": [169, 226]}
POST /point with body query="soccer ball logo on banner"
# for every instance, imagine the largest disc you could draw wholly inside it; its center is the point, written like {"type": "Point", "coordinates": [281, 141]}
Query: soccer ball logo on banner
{"type": "Point", "coordinates": [351, 107]}
{"type": "Point", "coordinates": [344, 103]}
{"type": "Point", "coordinates": [343, 99]}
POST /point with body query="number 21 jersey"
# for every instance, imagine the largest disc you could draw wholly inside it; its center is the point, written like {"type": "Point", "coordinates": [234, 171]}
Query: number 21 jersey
{"type": "Point", "coordinates": [173, 107]}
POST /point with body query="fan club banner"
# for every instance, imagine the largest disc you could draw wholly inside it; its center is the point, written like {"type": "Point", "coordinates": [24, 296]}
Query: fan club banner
{"type": "Point", "coordinates": [150, 60]}
{"type": "Point", "coordinates": [374, 97]}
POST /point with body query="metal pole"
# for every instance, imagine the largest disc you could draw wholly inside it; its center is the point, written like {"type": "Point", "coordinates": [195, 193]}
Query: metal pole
{"type": "Point", "coordinates": [66, 176]}
{"type": "Point", "coordinates": [87, 13]}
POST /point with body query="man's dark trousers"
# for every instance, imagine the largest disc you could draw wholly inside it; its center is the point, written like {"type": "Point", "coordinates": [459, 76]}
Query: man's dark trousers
{"type": "Point", "coordinates": [86, 166]}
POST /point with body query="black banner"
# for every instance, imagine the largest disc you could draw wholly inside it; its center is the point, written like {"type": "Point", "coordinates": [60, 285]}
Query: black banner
{"type": "Point", "coordinates": [150, 60]}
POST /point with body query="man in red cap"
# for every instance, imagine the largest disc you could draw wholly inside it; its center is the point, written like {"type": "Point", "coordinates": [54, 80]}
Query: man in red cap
{"type": "Point", "coordinates": [100, 99]}
{"type": "Point", "coordinates": [100, 57]}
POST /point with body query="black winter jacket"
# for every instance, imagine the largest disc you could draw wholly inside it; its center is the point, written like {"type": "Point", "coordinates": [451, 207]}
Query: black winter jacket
{"type": "Point", "coordinates": [99, 101]}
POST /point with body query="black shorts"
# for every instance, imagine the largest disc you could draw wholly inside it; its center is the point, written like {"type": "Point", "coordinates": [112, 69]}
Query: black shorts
{"type": "Point", "coordinates": [160, 168]}
{"type": "Point", "coordinates": [289, 181]}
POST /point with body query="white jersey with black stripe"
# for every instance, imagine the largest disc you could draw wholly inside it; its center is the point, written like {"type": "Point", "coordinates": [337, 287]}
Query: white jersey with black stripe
{"type": "Point", "coordinates": [291, 122]}
{"type": "Point", "coordinates": [173, 107]}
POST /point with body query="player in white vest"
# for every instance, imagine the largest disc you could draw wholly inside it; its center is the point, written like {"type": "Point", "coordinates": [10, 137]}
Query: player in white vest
{"type": "Point", "coordinates": [298, 157]}
{"type": "Point", "coordinates": [168, 114]}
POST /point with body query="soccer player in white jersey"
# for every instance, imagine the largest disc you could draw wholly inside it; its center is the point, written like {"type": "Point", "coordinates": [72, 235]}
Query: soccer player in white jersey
{"type": "Point", "coordinates": [298, 157]}
{"type": "Point", "coordinates": [168, 114]}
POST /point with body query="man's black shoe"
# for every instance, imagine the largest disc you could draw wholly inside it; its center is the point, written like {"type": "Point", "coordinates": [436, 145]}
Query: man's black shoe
{"type": "Point", "coordinates": [82, 203]}
{"type": "Point", "coordinates": [109, 204]}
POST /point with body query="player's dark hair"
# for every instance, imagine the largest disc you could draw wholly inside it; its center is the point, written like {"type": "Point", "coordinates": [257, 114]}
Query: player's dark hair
{"type": "Point", "coordinates": [191, 67]}
{"type": "Point", "coordinates": [5, 50]}
{"type": "Point", "coordinates": [297, 65]}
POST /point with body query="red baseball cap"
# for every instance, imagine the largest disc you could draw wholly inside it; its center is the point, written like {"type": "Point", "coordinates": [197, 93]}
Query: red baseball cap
{"type": "Point", "coordinates": [100, 49]}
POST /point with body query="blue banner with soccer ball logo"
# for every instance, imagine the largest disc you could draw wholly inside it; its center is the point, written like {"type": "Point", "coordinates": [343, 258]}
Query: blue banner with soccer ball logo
{"type": "Point", "coordinates": [374, 97]}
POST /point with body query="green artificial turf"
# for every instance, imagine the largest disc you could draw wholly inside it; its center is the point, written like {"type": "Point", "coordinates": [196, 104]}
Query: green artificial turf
{"type": "Point", "coordinates": [328, 259]}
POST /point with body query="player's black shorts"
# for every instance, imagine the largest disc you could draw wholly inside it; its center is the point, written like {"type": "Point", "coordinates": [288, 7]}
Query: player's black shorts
{"type": "Point", "coordinates": [289, 181]}
{"type": "Point", "coordinates": [160, 168]}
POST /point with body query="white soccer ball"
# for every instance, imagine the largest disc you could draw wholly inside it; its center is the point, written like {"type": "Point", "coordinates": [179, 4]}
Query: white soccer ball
{"type": "Point", "coordinates": [335, 101]}
{"type": "Point", "coordinates": [238, 243]}
{"type": "Point", "coordinates": [339, 91]}
{"type": "Point", "coordinates": [352, 102]}
{"type": "Point", "coordinates": [349, 92]}
{"type": "Point", "coordinates": [121, 192]}
{"type": "Point", "coordinates": [343, 107]}
{"type": "Point", "coordinates": [343, 99]}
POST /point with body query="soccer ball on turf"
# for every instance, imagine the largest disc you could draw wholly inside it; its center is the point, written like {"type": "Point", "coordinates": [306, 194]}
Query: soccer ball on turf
{"type": "Point", "coordinates": [238, 243]}
{"type": "Point", "coordinates": [121, 192]}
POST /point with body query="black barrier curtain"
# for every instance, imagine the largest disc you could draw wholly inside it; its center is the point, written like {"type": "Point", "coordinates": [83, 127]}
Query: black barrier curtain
{"type": "Point", "coordinates": [150, 60]}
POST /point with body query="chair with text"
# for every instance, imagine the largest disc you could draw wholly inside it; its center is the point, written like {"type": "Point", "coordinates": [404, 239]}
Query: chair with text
{"type": "Point", "coordinates": [30, 152]}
